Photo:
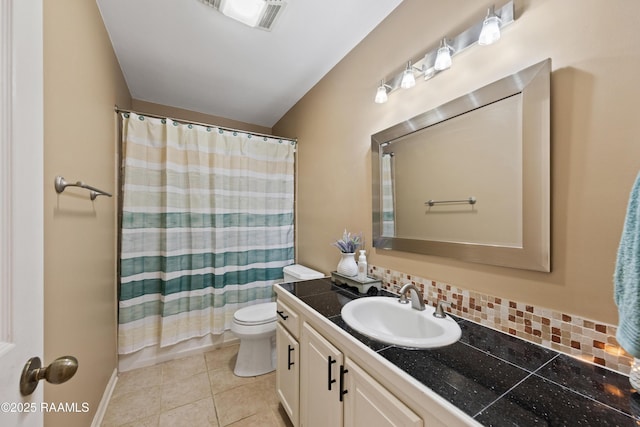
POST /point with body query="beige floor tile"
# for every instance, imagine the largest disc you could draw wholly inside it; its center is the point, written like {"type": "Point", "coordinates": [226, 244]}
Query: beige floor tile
{"type": "Point", "coordinates": [184, 391]}
{"type": "Point", "coordinates": [138, 379]}
{"type": "Point", "coordinates": [195, 391]}
{"type": "Point", "coordinates": [183, 368]}
{"type": "Point", "coordinates": [282, 419]}
{"type": "Point", "coordinates": [223, 379]}
{"type": "Point", "coordinates": [197, 414]}
{"type": "Point", "coordinates": [152, 421]}
{"type": "Point", "coordinates": [133, 406]}
{"type": "Point", "coordinates": [240, 402]}
{"type": "Point", "coordinates": [267, 386]}
{"type": "Point", "coordinates": [261, 419]}
{"type": "Point", "coordinates": [220, 358]}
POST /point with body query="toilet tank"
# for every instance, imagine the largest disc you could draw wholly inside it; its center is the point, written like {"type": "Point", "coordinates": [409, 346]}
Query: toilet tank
{"type": "Point", "coordinates": [297, 272]}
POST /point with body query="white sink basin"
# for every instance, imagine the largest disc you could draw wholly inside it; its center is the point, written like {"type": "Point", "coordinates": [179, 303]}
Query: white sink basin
{"type": "Point", "coordinates": [386, 320]}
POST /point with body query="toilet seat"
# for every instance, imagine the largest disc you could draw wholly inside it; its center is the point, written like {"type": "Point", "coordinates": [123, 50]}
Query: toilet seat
{"type": "Point", "coordinates": [258, 314]}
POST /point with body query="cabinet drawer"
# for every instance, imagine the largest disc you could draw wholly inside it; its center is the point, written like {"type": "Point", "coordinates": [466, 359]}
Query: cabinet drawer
{"type": "Point", "coordinates": [289, 319]}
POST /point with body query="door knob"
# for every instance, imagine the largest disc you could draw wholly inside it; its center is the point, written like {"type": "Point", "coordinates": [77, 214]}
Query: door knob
{"type": "Point", "coordinates": [59, 371]}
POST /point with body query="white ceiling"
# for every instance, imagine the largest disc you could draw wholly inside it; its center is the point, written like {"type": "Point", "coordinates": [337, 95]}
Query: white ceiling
{"type": "Point", "coordinates": [183, 53]}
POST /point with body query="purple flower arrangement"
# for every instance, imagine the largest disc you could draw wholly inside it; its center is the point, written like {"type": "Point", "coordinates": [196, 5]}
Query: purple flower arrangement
{"type": "Point", "coordinates": [349, 242]}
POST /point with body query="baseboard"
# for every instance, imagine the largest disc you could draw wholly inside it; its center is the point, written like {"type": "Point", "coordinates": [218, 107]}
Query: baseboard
{"type": "Point", "coordinates": [153, 355]}
{"type": "Point", "coordinates": [104, 402]}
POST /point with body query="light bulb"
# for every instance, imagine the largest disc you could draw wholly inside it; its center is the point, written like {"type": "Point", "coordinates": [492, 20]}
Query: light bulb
{"type": "Point", "coordinates": [408, 79]}
{"type": "Point", "coordinates": [381, 94]}
{"type": "Point", "coordinates": [443, 59]}
{"type": "Point", "coordinates": [490, 29]}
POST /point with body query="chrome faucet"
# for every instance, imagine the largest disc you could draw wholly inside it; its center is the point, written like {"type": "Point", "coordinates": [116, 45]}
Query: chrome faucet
{"type": "Point", "coordinates": [417, 302]}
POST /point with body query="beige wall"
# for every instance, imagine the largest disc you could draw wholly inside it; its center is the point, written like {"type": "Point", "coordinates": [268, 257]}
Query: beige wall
{"type": "Point", "coordinates": [595, 130]}
{"type": "Point", "coordinates": [82, 83]}
{"type": "Point", "coordinates": [179, 113]}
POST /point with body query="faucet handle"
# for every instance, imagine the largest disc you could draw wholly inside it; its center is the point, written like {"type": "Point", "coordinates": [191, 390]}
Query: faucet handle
{"type": "Point", "coordinates": [440, 312]}
{"type": "Point", "coordinates": [403, 299]}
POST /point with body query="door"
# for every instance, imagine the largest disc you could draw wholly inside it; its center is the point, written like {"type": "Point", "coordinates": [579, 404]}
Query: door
{"type": "Point", "coordinates": [21, 206]}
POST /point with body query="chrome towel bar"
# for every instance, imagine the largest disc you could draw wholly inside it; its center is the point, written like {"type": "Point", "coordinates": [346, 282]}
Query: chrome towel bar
{"type": "Point", "coordinates": [60, 184]}
{"type": "Point", "coordinates": [471, 200]}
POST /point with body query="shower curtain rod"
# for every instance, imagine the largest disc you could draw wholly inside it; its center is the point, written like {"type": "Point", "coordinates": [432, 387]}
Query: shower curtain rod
{"type": "Point", "coordinates": [122, 110]}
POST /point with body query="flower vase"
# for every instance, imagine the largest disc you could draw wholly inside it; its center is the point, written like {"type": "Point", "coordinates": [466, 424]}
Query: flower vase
{"type": "Point", "coordinates": [347, 265]}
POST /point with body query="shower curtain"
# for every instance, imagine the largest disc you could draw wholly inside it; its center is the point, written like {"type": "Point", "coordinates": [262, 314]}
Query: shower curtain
{"type": "Point", "coordinates": [388, 195]}
{"type": "Point", "coordinates": [207, 226]}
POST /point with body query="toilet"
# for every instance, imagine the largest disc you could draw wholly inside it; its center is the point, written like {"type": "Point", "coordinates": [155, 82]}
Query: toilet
{"type": "Point", "coordinates": [255, 326]}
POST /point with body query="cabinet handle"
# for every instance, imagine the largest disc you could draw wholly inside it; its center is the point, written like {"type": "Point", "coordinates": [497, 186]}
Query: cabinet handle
{"type": "Point", "coordinates": [289, 362]}
{"type": "Point", "coordinates": [342, 390]}
{"type": "Point", "coordinates": [281, 314]}
{"type": "Point", "coordinates": [330, 381]}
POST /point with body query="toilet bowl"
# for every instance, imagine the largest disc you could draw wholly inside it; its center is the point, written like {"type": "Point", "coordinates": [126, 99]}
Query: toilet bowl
{"type": "Point", "coordinates": [255, 326]}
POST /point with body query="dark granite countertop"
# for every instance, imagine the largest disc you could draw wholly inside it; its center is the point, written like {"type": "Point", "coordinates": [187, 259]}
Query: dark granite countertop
{"type": "Point", "coordinates": [497, 379]}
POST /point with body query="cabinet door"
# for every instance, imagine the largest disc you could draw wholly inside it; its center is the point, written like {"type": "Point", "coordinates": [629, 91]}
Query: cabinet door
{"type": "Point", "coordinates": [287, 373]}
{"type": "Point", "coordinates": [367, 403]}
{"type": "Point", "coordinates": [320, 403]}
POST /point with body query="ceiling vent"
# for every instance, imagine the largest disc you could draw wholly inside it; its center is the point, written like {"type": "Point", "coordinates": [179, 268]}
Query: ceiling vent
{"type": "Point", "coordinates": [260, 14]}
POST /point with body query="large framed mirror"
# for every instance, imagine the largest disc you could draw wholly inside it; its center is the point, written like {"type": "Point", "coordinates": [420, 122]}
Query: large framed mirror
{"type": "Point", "coordinates": [470, 179]}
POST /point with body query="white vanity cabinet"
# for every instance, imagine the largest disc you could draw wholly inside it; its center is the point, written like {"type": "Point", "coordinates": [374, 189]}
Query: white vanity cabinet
{"type": "Point", "coordinates": [375, 393]}
{"type": "Point", "coordinates": [319, 386]}
{"type": "Point", "coordinates": [335, 391]}
{"type": "Point", "coordinates": [288, 366]}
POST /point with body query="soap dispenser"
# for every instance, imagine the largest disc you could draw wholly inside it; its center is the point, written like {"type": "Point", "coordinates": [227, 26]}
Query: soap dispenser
{"type": "Point", "coordinates": [362, 266]}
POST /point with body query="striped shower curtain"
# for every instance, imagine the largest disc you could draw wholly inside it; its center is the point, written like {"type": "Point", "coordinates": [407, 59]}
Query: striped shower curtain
{"type": "Point", "coordinates": [388, 196]}
{"type": "Point", "coordinates": [207, 226]}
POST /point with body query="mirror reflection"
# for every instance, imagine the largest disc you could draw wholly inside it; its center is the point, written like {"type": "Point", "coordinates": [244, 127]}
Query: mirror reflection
{"type": "Point", "coordinates": [459, 180]}
{"type": "Point", "coordinates": [470, 179]}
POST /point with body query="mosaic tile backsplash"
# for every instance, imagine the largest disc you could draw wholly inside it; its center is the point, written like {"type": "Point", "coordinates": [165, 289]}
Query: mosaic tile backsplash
{"type": "Point", "coordinates": [573, 335]}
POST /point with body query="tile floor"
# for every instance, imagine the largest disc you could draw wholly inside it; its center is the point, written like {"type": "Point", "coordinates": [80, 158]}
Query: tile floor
{"type": "Point", "coordinates": [195, 391]}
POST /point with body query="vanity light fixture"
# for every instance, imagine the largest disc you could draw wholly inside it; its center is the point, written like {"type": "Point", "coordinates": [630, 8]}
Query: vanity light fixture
{"type": "Point", "coordinates": [443, 58]}
{"type": "Point", "coordinates": [408, 79]}
{"type": "Point", "coordinates": [490, 28]}
{"type": "Point", "coordinates": [381, 94]}
{"type": "Point", "coordinates": [438, 58]}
